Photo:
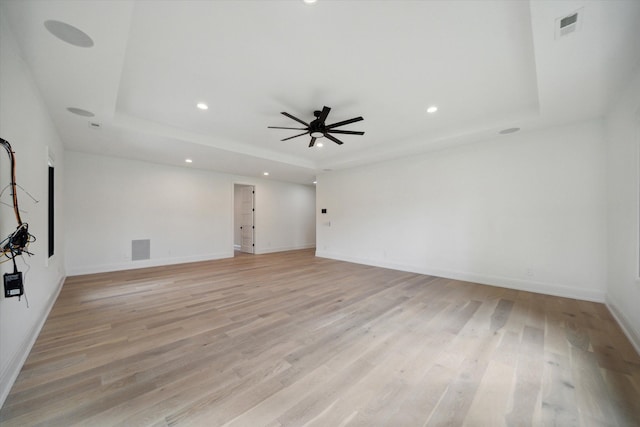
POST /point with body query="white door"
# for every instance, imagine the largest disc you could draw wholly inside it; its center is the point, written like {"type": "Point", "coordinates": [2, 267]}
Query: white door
{"type": "Point", "coordinates": [246, 222]}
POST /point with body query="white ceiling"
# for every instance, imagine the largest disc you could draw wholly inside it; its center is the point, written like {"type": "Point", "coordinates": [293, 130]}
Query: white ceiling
{"type": "Point", "coordinates": [487, 65]}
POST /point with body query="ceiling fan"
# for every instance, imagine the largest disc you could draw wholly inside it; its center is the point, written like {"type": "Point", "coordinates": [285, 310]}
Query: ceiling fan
{"type": "Point", "coordinates": [318, 129]}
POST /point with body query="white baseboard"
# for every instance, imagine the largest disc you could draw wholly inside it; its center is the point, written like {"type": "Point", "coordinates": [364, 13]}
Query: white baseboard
{"type": "Point", "coordinates": [504, 282]}
{"type": "Point", "coordinates": [284, 249]}
{"type": "Point", "coordinates": [9, 375]}
{"type": "Point", "coordinates": [625, 324]}
{"type": "Point", "coordinates": [132, 265]}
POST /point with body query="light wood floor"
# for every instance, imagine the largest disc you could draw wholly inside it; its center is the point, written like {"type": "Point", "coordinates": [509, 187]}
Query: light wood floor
{"type": "Point", "coordinates": [288, 339]}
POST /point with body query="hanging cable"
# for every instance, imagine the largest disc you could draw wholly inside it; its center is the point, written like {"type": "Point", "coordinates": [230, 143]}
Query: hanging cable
{"type": "Point", "coordinates": [12, 183]}
{"type": "Point", "coordinates": [18, 241]}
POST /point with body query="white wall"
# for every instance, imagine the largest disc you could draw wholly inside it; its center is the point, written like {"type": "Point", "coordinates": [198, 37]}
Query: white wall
{"type": "Point", "coordinates": [109, 202]}
{"type": "Point", "coordinates": [623, 176]}
{"type": "Point", "coordinates": [186, 213]}
{"type": "Point", "coordinates": [524, 211]}
{"type": "Point", "coordinates": [25, 123]}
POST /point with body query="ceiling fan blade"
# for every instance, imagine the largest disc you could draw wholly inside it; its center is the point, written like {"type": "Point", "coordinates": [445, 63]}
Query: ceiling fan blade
{"type": "Point", "coordinates": [279, 127]}
{"type": "Point", "coordinates": [295, 136]}
{"type": "Point", "coordinates": [313, 141]}
{"type": "Point", "coordinates": [324, 114]}
{"type": "Point", "coordinates": [295, 118]}
{"type": "Point", "coordinates": [346, 132]}
{"type": "Point", "coordinates": [345, 122]}
{"type": "Point", "coordinates": [333, 138]}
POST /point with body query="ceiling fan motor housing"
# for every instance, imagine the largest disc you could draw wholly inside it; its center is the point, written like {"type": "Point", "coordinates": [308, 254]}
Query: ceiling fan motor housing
{"type": "Point", "coordinates": [317, 129]}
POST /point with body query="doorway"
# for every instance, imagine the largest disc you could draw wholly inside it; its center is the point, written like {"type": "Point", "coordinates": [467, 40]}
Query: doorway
{"type": "Point", "coordinates": [243, 218]}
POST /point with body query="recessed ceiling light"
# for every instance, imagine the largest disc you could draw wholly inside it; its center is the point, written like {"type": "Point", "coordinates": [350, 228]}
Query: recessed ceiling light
{"type": "Point", "coordinates": [320, 144]}
{"type": "Point", "coordinates": [315, 182]}
{"type": "Point", "coordinates": [188, 161]}
{"type": "Point", "coordinates": [310, 1]}
{"type": "Point", "coordinates": [266, 174]}
{"type": "Point", "coordinates": [202, 106]}
{"type": "Point", "coordinates": [508, 131]}
{"type": "Point", "coordinates": [80, 112]}
{"type": "Point", "coordinates": [68, 33]}
{"type": "Point", "coordinates": [432, 109]}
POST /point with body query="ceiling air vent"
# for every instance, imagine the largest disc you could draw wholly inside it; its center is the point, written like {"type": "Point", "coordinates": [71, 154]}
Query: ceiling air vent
{"type": "Point", "coordinates": [568, 24]}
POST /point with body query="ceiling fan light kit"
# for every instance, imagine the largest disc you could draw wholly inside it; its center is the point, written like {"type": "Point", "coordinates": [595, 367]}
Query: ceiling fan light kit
{"type": "Point", "coordinates": [318, 129]}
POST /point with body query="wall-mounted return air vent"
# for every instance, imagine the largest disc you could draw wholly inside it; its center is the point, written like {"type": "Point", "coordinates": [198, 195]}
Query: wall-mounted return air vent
{"type": "Point", "coordinates": [140, 249]}
{"type": "Point", "coordinates": [568, 24]}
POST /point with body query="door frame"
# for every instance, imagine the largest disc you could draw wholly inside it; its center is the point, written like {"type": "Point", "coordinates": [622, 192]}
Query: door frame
{"type": "Point", "coordinates": [233, 214]}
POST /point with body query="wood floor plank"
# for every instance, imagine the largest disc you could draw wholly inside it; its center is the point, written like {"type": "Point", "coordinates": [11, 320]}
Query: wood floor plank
{"type": "Point", "coordinates": [558, 392]}
{"type": "Point", "coordinates": [452, 409]}
{"type": "Point", "coordinates": [595, 403]}
{"type": "Point", "coordinates": [529, 373]}
{"type": "Point", "coordinates": [288, 339]}
{"type": "Point", "coordinates": [491, 401]}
